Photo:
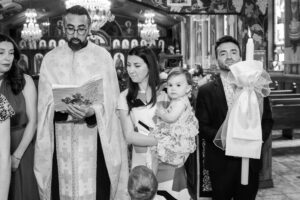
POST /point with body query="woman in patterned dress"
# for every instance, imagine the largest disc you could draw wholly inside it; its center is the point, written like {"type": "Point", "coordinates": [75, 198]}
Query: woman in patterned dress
{"type": "Point", "coordinates": [20, 91]}
{"type": "Point", "coordinates": [6, 112]}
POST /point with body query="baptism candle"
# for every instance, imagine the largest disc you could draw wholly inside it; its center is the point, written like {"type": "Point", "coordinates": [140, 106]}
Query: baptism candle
{"type": "Point", "coordinates": [249, 47]}
{"type": "Point", "coordinates": [245, 161]}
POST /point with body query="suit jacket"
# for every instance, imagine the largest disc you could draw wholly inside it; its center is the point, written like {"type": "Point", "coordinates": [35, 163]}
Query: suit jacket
{"type": "Point", "coordinates": [211, 110]}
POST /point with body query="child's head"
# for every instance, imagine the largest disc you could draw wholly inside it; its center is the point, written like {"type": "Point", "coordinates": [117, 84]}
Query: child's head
{"type": "Point", "coordinates": [142, 183]}
{"type": "Point", "coordinates": [179, 83]}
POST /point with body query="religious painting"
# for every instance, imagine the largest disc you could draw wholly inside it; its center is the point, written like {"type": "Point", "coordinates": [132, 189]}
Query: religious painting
{"type": "Point", "coordinates": [38, 58]}
{"type": "Point", "coordinates": [119, 61]}
{"type": "Point", "coordinates": [52, 44]}
{"type": "Point", "coordinates": [59, 29]}
{"type": "Point", "coordinates": [134, 43]}
{"type": "Point", "coordinates": [42, 44]}
{"type": "Point", "coordinates": [116, 44]}
{"type": "Point", "coordinates": [22, 44]}
{"type": "Point", "coordinates": [32, 44]}
{"type": "Point", "coordinates": [125, 44]}
{"type": "Point", "coordinates": [143, 43]}
{"type": "Point", "coordinates": [23, 63]}
{"type": "Point", "coordinates": [161, 45]}
{"type": "Point", "coordinates": [179, 3]}
{"type": "Point", "coordinates": [129, 31]}
{"type": "Point", "coordinates": [61, 42]}
{"type": "Point", "coordinates": [292, 23]}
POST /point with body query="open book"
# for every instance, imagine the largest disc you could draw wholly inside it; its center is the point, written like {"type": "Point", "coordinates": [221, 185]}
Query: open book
{"type": "Point", "coordinates": [88, 93]}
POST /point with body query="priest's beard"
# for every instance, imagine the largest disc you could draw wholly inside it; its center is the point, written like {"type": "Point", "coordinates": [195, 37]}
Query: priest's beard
{"type": "Point", "coordinates": [75, 44]}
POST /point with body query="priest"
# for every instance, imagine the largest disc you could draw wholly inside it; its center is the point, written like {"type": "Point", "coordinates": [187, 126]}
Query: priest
{"type": "Point", "coordinates": [80, 153]}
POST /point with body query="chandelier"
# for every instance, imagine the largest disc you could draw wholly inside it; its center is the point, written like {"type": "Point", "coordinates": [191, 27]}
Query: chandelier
{"type": "Point", "coordinates": [99, 11]}
{"type": "Point", "coordinates": [149, 30]}
{"type": "Point", "coordinates": [31, 30]}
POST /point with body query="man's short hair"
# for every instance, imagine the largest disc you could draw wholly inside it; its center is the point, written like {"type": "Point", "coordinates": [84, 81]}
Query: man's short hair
{"type": "Point", "coordinates": [142, 183]}
{"type": "Point", "coordinates": [225, 39]}
{"type": "Point", "coordinates": [79, 10]}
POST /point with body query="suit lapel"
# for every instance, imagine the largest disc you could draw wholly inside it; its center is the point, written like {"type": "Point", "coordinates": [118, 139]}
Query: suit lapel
{"type": "Point", "coordinates": [219, 91]}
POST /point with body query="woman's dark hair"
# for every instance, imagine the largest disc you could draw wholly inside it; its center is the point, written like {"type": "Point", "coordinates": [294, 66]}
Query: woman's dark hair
{"type": "Point", "coordinates": [150, 59]}
{"type": "Point", "coordinates": [179, 71]}
{"type": "Point", "coordinates": [15, 76]}
{"type": "Point", "coordinates": [225, 39]}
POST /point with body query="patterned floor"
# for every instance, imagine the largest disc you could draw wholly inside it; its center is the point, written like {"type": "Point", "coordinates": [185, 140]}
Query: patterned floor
{"type": "Point", "coordinates": [286, 170]}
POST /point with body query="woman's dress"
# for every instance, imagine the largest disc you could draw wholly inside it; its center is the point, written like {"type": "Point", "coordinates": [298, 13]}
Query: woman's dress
{"type": "Point", "coordinates": [23, 183]}
{"type": "Point", "coordinates": [171, 180]}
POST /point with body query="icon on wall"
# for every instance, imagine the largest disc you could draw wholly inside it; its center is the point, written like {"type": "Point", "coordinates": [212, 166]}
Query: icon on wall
{"type": "Point", "coordinates": [61, 42]}
{"type": "Point", "coordinates": [119, 61]}
{"type": "Point", "coordinates": [134, 43]}
{"type": "Point", "coordinates": [129, 30]}
{"type": "Point", "coordinates": [52, 44]}
{"type": "Point", "coordinates": [23, 63]}
{"type": "Point", "coordinates": [116, 44]}
{"type": "Point", "coordinates": [125, 44]}
{"type": "Point", "coordinates": [143, 43]}
{"type": "Point", "coordinates": [22, 44]}
{"type": "Point", "coordinates": [161, 45]}
{"type": "Point", "coordinates": [42, 44]}
{"type": "Point", "coordinates": [38, 58]}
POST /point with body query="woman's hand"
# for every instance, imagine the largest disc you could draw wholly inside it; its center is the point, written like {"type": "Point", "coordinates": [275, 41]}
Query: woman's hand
{"type": "Point", "coordinates": [15, 162]}
{"type": "Point", "coordinates": [160, 111]}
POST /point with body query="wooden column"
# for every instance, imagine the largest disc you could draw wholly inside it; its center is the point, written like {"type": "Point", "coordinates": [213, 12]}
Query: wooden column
{"type": "Point", "coordinates": [204, 43]}
{"type": "Point", "coordinates": [183, 40]}
{"type": "Point", "coordinates": [265, 177]}
{"type": "Point", "coordinates": [192, 42]}
{"type": "Point", "coordinates": [219, 26]}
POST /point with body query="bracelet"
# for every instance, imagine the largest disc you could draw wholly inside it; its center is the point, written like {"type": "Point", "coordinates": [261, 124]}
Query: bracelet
{"type": "Point", "coordinates": [16, 157]}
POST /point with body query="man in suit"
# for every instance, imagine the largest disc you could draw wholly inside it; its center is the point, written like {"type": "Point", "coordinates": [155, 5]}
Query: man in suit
{"type": "Point", "coordinates": [212, 104]}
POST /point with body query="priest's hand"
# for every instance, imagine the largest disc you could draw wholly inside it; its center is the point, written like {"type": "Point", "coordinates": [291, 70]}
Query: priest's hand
{"type": "Point", "coordinates": [79, 112]}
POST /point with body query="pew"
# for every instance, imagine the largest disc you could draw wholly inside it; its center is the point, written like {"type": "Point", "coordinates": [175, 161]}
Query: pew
{"type": "Point", "coordinates": [284, 96]}
{"type": "Point", "coordinates": [286, 113]}
{"type": "Point", "coordinates": [276, 90]}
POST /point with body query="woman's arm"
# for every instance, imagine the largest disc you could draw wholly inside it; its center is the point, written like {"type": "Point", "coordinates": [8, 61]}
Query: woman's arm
{"type": "Point", "coordinates": [5, 163]}
{"type": "Point", "coordinates": [174, 113]}
{"type": "Point", "coordinates": [30, 96]}
{"type": "Point", "coordinates": [131, 136]}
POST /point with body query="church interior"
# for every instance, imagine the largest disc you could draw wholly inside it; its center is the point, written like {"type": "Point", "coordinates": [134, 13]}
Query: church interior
{"type": "Point", "coordinates": [184, 33]}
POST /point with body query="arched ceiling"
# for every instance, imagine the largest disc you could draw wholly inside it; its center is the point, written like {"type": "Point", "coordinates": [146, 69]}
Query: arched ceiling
{"type": "Point", "coordinates": [12, 12]}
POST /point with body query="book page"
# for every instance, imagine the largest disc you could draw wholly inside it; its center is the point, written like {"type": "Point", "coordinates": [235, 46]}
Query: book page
{"type": "Point", "coordinates": [87, 94]}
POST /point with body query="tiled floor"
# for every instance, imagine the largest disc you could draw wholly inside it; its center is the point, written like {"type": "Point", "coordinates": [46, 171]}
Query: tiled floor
{"type": "Point", "coordinates": [286, 171]}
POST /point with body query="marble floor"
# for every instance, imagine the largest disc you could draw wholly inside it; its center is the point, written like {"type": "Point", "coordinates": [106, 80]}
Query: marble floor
{"type": "Point", "coordinates": [286, 170]}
